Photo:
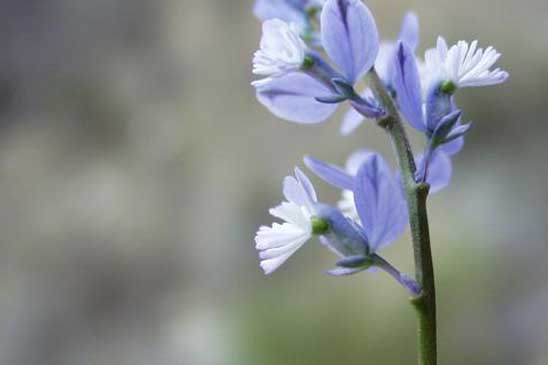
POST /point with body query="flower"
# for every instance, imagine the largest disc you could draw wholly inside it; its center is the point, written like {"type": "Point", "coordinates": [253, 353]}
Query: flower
{"type": "Point", "coordinates": [438, 175]}
{"type": "Point", "coordinates": [282, 50]}
{"type": "Point", "coordinates": [463, 65]}
{"type": "Point", "coordinates": [311, 94]}
{"type": "Point", "coordinates": [278, 242]}
{"type": "Point", "coordinates": [439, 119]}
{"type": "Point", "coordinates": [409, 34]}
{"type": "Point", "coordinates": [382, 218]}
{"type": "Point", "coordinates": [376, 192]}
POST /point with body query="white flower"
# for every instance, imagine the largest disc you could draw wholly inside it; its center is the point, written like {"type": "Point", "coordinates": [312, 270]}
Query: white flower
{"type": "Point", "coordinates": [278, 242]}
{"type": "Point", "coordinates": [465, 65]}
{"type": "Point", "coordinates": [282, 49]}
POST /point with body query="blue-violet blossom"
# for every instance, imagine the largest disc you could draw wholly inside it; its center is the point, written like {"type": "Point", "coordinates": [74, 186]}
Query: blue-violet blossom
{"type": "Point", "coordinates": [306, 89]}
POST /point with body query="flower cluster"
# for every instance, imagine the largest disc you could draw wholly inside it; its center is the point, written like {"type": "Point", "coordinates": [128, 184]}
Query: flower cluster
{"type": "Point", "coordinates": [312, 56]}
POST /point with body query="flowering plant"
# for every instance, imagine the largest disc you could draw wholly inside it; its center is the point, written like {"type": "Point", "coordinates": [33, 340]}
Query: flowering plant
{"type": "Point", "coordinates": [312, 55]}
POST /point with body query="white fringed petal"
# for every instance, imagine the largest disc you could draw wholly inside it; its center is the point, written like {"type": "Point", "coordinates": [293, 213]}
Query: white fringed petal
{"type": "Point", "coordinates": [277, 243]}
{"type": "Point", "coordinates": [464, 64]}
{"type": "Point", "coordinates": [281, 50]}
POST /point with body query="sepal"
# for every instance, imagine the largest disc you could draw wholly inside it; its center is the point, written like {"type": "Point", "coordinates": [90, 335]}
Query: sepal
{"type": "Point", "coordinates": [344, 238]}
{"type": "Point", "coordinates": [444, 128]}
{"type": "Point", "coordinates": [354, 262]}
{"type": "Point", "coordinates": [458, 132]}
{"type": "Point", "coordinates": [332, 99]}
{"type": "Point", "coordinates": [343, 271]}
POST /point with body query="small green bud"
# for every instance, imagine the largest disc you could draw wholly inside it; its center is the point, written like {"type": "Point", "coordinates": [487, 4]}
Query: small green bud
{"type": "Point", "coordinates": [308, 62]}
{"type": "Point", "coordinates": [319, 226]}
{"type": "Point", "coordinates": [448, 87]}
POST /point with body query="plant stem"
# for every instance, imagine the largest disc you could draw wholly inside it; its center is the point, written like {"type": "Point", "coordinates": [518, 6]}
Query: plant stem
{"type": "Point", "coordinates": [416, 194]}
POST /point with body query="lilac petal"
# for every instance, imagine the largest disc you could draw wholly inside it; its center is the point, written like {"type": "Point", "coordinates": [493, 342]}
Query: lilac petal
{"type": "Point", "coordinates": [440, 170]}
{"type": "Point", "coordinates": [349, 36]}
{"type": "Point", "coordinates": [299, 190]}
{"type": "Point", "coordinates": [379, 202]}
{"type": "Point", "coordinates": [459, 130]}
{"type": "Point", "coordinates": [351, 120]}
{"type": "Point", "coordinates": [293, 97]}
{"type": "Point", "coordinates": [331, 174]}
{"type": "Point", "coordinates": [356, 159]}
{"type": "Point", "coordinates": [384, 64]}
{"type": "Point", "coordinates": [307, 186]}
{"type": "Point", "coordinates": [281, 9]}
{"type": "Point", "coordinates": [293, 191]}
{"type": "Point", "coordinates": [407, 84]}
{"type": "Point", "coordinates": [409, 33]}
{"type": "Point", "coordinates": [453, 147]}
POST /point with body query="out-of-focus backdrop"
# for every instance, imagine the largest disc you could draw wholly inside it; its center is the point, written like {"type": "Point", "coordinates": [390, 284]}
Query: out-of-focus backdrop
{"type": "Point", "coordinates": [136, 165]}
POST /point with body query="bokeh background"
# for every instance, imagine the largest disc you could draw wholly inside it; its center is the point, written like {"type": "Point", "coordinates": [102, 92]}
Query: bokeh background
{"type": "Point", "coordinates": [136, 165]}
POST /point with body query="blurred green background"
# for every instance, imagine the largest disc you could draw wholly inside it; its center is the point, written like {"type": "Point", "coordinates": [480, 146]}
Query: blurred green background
{"type": "Point", "coordinates": [136, 165]}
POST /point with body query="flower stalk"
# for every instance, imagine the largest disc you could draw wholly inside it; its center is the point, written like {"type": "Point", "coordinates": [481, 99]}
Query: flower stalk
{"type": "Point", "coordinates": [416, 193]}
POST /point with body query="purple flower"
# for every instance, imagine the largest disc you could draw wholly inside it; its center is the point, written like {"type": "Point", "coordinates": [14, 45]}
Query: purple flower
{"type": "Point", "coordinates": [440, 119]}
{"type": "Point", "coordinates": [303, 216]}
{"type": "Point", "coordinates": [376, 192]}
{"type": "Point", "coordinates": [383, 217]}
{"type": "Point", "coordinates": [438, 175]}
{"type": "Point", "coordinates": [307, 89]}
{"type": "Point", "coordinates": [409, 34]}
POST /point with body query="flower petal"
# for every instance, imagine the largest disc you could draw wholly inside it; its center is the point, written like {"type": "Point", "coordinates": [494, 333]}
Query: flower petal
{"type": "Point", "coordinates": [278, 235]}
{"type": "Point", "coordinates": [292, 213]}
{"type": "Point", "coordinates": [356, 159]}
{"type": "Point", "coordinates": [278, 243]}
{"type": "Point", "coordinates": [349, 36]}
{"type": "Point", "coordinates": [440, 170]}
{"type": "Point", "coordinates": [307, 187]}
{"type": "Point", "coordinates": [379, 202]}
{"type": "Point", "coordinates": [453, 147]}
{"type": "Point", "coordinates": [384, 64]}
{"type": "Point", "coordinates": [331, 174]}
{"type": "Point", "coordinates": [409, 33]}
{"type": "Point", "coordinates": [408, 87]}
{"type": "Point", "coordinates": [293, 97]}
{"type": "Point", "coordinates": [351, 120]}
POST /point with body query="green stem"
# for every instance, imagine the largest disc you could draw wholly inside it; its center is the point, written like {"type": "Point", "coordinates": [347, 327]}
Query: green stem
{"type": "Point", "coordinates": [416, 194]}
